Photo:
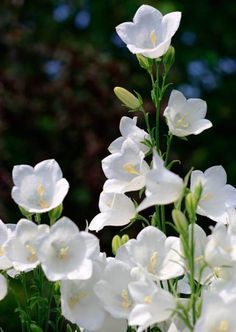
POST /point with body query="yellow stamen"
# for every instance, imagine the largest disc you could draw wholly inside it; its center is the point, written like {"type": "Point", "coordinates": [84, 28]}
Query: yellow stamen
{"type": "Point", "coordinates": [63, 253]}
{"type": "Point", "coordinates": [75, 299]}
{"type": "Point", "coordinates": [42, 202]}
{"type": "Point", "coordinates": [153, 262]}
{"type": "Point", "coordinates": [222, 327]}
{"type": "Point", "coordinates": [126, 302]}
{"type": "Point", "coordinates": [2, 251]}
{"type": "Point", "coordinates": [153, 38]}
{"type": "Point", "coordinates": [217, 271]}
{"type": "Point", "coordinates": [148, 299]}
{"type": "Point", "coordinates": [130, 168]}
{"type": "Point", "coordinates": [182, 123]}
{"type": "Point", "coordinates": [32, 257]}
{"type": "Point", "coordinates": [206, 197]}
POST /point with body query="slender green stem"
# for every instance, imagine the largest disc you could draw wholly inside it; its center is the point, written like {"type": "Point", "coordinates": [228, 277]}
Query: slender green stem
{"type": "Point", "coordinates": [169, 140]}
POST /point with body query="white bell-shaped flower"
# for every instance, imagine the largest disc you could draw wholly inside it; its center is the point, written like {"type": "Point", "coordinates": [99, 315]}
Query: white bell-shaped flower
{"type": "Point", "coordinates": [129, 128]}
{"type": "Point", "coordinates": [21, 247]}
{"type": "Point", "coordinates": [154, 254]}
{"type": "Point", "coordinates": [66, 253]}
{"type": "Point", "coordinates": [218, 314]}
{"type": "Point", "coordinates": [39, 189]}
{"type": "Point", "coordinates": [125, 170]}
{"type": "Point", "coordinates": [113, 291]}
{"type": "Point", "coordinates": [111, 324]}
{"type": "Point", "coordinates": [162, 185]}
{"type": "Point", "coordinates": [217, 196]}
{"type": "Point", "coordinates": [3, 287]}
{"type": "Point", "coordinates": [5, 234]}
{"type": "Point", "coordinates": [116, 210]}
{"type": "Point", "coordinates": [150, 33]}
{"type": "Point", "coordinates": [186, 116]}
{"type": "Point", "coordinates": [151, 304]}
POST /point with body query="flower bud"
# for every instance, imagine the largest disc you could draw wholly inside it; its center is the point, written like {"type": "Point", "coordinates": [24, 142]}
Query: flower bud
{"type": "Point", "coordinates": [180, 221]}
{"type": "Point", "coordinates": [115, 244]}
{"type": "Point", "coordinates": [127, 98]}
{"type": "Point", "coordinates": [169, 58]}
{"type": "Point", "coordinates": [124, 239]}
{"type": "Point", "coordinates": [198, 192]}
{"type": "Point", "coordinates": [191, 204]}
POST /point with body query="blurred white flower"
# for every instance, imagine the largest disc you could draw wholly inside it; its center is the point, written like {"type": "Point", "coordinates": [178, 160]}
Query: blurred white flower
{"type": "Point", "coordinates": [113, 291]}
{"type": "Point", "coordinates": [150, 33]}
{"type": "Point", "coordinates": [5, 234]}
{"type": "Point", "coordinates": [116, 210]}
{"type": "Point", "coordinates": [151, 304]}
{"type": "Point", "coordinates": [126, 169]}
{"type": "Point", "coordinates": [3, 287]}
{"type": "Point", "coordinates": [154, 254]}
{"type": "Point", "coordinates": [162, 185]}
{"type": "Point", "coordinates": [217, 196]}
{"type": "Point", "coordinates": [129, 129]}
{"type": "Point", "coordinates": [186, 116]}
{"type": "Point", "coordinates": [217, 314]}
{"type": "Point", "coordinates": [112, 324]}
{"type": "Point", "coordinates": [66, 253]}
{"type": "Point", "coordinates": [39, 189]}
{"type": "Point", "coordinates": [21, 247]}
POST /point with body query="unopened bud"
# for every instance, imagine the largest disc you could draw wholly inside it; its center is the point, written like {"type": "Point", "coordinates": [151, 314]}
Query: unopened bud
{"type": "Point", "coordinates": [115, 244]}
{"type": "Point", "coordinates": [180, 221]}
{"type": "Point", "coordinates": [198, 192]}
{"type": "Point", "coordinates": [169, 58]}
{"type": "Point", "coordinates": [127, 98]}
{"type": "Point", "coordinates": [191, 204]}
{"type": "Point", "coordinates": [124, 239]}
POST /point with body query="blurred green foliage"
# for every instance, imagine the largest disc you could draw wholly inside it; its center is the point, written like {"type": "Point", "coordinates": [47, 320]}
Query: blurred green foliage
{"type": "Point", "coordinates": [59, 63]}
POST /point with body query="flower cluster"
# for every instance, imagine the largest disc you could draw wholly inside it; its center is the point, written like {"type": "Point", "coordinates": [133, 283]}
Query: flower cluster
{"type": "Point", "coordinates": [154, 282]}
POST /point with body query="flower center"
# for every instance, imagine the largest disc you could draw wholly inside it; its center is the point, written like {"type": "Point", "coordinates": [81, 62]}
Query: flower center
{"type": "Point", "coordinates": [32, 257]}
{"type": "Point", "coordinates": [2, 251]}
{"type": "Point", "coordinates": [148, 299]}
{"type": "Point", "coordinates": [63, 253]}
{"type": "Point", "coordinates": [206, 197]}
{"type": "Point", "coordinates": [222, 327]}
{"type": "Point", "coordinates": [75, 299]}
{"type": "Point", "coordinates": [125, 299]}
{"type": "Point", "coordinates": [153, 262]}
{"type": "Point", "coordinates": [217, 271]}
{"type": "Point", "coordinates": [130, 168]}
{"type": "Point", "coordinates": [42, 202]}
{"type": "Point", "coordinates": [181, 122]}
{"type": "Point", "coordinates": [153, 38]}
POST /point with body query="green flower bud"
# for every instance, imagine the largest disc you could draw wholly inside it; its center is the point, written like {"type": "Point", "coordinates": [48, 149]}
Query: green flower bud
{"type": "Point", "coordinates": [169, 58]}
{"type": "Point", "coordinates": [144, 62]}
{"type": "Point", "coordinates": [127, 98]}
{"type": "Point", "coordinates": [180, 221]}
{"type": "Point", "coordinates": [191, 204]}
{"type": "Point", "coordinates": [124, 239]}
{"type": "Point", "coordinates": [115, 244]}
{"type": "Point", "coordinates": [198, 192]}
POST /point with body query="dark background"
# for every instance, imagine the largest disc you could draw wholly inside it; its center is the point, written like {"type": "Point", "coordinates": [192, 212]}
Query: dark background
{"type": "Point", "coordinates": [59, 63]}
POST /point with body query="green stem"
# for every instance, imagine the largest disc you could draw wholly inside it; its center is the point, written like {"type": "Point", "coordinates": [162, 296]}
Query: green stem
{"type": "Point", "coordinates": [169, 140]}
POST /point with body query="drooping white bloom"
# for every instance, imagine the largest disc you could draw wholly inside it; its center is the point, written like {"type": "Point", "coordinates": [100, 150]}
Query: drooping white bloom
{"type": "Point", "coordinates": [126, 169]}
{"type": "Point", "coordinates": [66, 253]}
{"type": "Point", "coordinates": [218, 314]}
{"type": "Point", "coordinates": [116, 210]}
{"type": "Point", "coordinates": [162, 185]}
{"type": "Point", "coordinates": [39, 189]}
{"type": "Point", "coordinates": [217, 196]}
{"type": "Point", "coordinates": [186, 116]}
{"type": "Point", "coordinates": [5, 234]}
{"type": "Point", "coordinates": [113, 291]}
{"type": "Point", "coordinates": [151, 304]}
{"type": "Point", "coordinates": [129, 128]}
{"type": "Point", "coordinates": [154, 254]}
{"type": "Point", "coordinates": [150, 33]}
{"type": "Point", "coordinates": [21, 247]}
{"type": "Point", "coordinates": [79, 303]}
{"type": "Point", "coordinates": [3, 287]}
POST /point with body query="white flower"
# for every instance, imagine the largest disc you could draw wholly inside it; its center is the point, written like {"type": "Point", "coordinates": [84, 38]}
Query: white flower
{"type": "Point", "coordinates": [113, 291]}
{"type": "Point", "coordinates": [217, 314]}
{"type": "Point", "coordinates": [151, 304]}
{"type": "Point", "coordinates": [116, 210]}
{"type": "Point", "coordinates": [217, 196]}
{"type": "Point", "coordinates": [150, 33]}
{"type": "Point", "coordinates": [21, 247]}
{"type": "Point", "coordinates": [112, 324]}
{"type": "Point", "coordinates": [186, 116]}
{"type": "Point", "coordinates": [154, 254]}
{"type": "Point", "coordinates": [79, 303]}
{"type": "Point", "coordinates": [128, 128]}
{"type": "Point", "coordinates": [162, 185]}
{"type": "Point", "coordinates": [5, 234]}
{"type": "Point", "coordinates": [126, 169]}
{"type": "Point", "coordinates": [39, 189]}
{"type": "Point", "coordinates": [3, 287]}
{"type": "Point", "coordinates": [66, 253]}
